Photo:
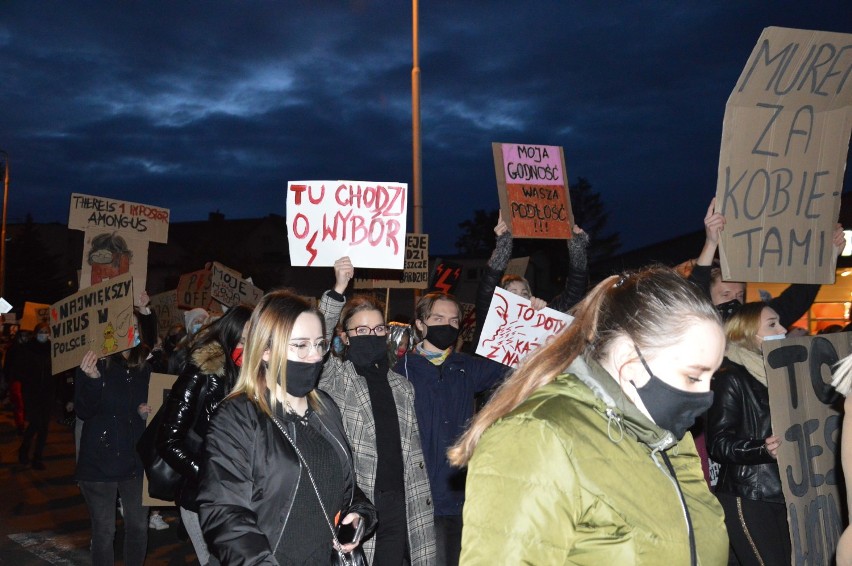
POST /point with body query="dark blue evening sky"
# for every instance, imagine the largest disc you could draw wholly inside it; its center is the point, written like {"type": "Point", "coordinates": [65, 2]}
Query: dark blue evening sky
{"type": "Point", "coordinates": [205, 105]}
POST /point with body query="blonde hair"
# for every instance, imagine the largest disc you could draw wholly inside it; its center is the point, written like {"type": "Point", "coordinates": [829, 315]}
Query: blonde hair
{"type": "Point", "coordinates": [654, 307]}
{"type": "Point", "coordinates": [507, 279]}
{"type": "Point", "coordinates": [744, 324]}
{"type": "Point", "coordinates": [270, 327]}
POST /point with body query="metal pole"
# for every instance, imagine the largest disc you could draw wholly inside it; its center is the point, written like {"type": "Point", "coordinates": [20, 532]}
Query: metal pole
{"type": "Point", "coordinates": [3, 229]}
{"type": "Point", "coordinates": [415, 120]}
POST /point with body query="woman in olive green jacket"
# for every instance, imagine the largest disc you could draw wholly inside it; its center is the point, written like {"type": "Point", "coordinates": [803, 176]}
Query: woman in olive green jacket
{"type": "Point", "coordinates": [582, 456]}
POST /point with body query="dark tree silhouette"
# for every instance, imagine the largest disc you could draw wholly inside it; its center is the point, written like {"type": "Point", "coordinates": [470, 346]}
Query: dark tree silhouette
{"type": "Point", "coordinates": [32, 272]}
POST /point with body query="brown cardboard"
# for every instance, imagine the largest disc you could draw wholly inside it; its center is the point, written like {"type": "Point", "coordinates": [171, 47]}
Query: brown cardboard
{"type": "Point", "coordinates": [158, 392]}
{"type": "Point", "coordinates": [33, 314]}
{"type": "Point", "coordinates": [806, 414]}
{"type": "Point", "coordinates": [415, 274]}
{"type": "Point", "coordinates": [518, 266]}
{"type": "Point", "coordinates": [193, 290]}
{"type": "Point", "coordinates": [168, 314]}
{"type": "Point", "coordinates": [130, 219]}
{"type": "Point", "coordinates": [99, 318]}
{"type": "Point", "coordinates": [107, 255]}
{"type": "Point", "coordinates": [785, 139]}
{"type": "Point", "coordinates": [229, 288]}
{"type": "Point", "coordinates": [532, 186]}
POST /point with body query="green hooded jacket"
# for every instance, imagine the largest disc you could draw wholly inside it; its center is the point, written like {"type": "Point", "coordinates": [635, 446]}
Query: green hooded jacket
{"type": "Point", "coordinates": [575, 475]}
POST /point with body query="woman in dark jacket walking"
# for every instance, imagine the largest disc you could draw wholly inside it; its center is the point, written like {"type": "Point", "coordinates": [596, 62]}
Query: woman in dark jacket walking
{"type": "Point", "coordinates": [39, 393]}
{"type": "Point", "coordinates": [111, 398]}
{"type": "Point", "coordinates": [740, 438]}
{"type": "Point", "coordinates": [277, 470]}
{"type": "Point", "coordinates": [209, 376]}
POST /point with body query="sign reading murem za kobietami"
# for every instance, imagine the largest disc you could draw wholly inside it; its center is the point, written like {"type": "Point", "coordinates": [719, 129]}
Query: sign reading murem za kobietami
{"type": "Point", "coordinates": [327, 220]}
{"type": "Point", "coordinates": [785, 139]}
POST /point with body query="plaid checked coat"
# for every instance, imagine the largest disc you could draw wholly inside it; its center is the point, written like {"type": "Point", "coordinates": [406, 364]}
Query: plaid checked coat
{"type": "Point", "coordinates": [349, 390]}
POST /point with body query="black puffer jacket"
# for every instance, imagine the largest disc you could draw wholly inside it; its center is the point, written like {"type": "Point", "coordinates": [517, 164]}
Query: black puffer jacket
{"type": "Point", "coordinates": [202, 385]}
{"type": "Point", "coordinates": [738, 424]}
{"type": "Point", "coordinates": [250, 475]}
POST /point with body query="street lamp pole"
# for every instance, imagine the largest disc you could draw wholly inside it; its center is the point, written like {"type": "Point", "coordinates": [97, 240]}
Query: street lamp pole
{"type": "Point", "coordinates": [415, 120]}
{"type": "Point", "coordinates": [3, 229]}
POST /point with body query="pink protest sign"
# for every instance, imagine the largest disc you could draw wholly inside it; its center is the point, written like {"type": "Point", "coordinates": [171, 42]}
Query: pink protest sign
{"type": "Point", "coordinates": [533, 190]}
{"type": "Point", "coordinates": [363, 220]}
{"type": "Point", "coordinates": [513, 329]}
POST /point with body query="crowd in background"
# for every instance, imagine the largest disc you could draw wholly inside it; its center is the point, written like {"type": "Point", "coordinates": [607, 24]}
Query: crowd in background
{"type": "Point", "coordinates": [300, 434]}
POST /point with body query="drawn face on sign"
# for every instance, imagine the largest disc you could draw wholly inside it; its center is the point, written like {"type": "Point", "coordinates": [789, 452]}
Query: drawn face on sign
{"type": "Point", "coordinates": [109, 257]}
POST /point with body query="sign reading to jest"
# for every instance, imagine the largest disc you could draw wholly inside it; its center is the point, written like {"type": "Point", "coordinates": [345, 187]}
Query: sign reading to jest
{"type": "Point", "coordinates": [140, 221]}
{"type": "Point", "coordinates": [513, 329]}
{"type": "Point", "coordinates": [99, 318]}
{"type": "Point", "coordinates": [327, 220]}
{"type": "Point", "coordinates": [533, 190]}
{"type": "Point", "coordinates": [784, 143]}
{"type": "Point", "coordinates": [806, 414]}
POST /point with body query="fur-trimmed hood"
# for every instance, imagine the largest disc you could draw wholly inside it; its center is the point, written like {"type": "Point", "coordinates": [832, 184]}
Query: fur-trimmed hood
{"type": "Point", "coordinates": [209, 358]}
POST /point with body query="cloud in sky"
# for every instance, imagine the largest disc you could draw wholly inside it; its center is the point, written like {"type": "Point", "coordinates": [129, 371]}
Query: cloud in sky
{"type": "Point", "coordinates": [198, 106]}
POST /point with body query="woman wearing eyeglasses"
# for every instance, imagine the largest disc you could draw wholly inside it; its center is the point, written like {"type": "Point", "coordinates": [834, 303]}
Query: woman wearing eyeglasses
{"type": "Point", "coordinates": [278, 472]}
{"type": "Point", "coordinates": [378, 414]}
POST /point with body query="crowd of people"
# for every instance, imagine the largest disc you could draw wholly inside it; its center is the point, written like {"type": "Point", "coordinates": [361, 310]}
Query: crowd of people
{"type": "Point", "coordinates": [309, 435]}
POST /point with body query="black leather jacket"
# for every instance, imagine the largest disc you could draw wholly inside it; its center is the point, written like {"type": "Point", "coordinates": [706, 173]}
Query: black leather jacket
{"type": "Point", "coordinates": [202, 385]}
{"type": "Point", "coordinates": [250, 476]}
{"type": "Point", "coordinates": [738, 424]}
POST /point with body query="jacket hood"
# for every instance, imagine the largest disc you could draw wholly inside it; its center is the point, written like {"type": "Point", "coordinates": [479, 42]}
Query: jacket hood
{"type": "Point", "coordinates": [616, 406]}
{"type": "Point", "coordinates": [209, 358]}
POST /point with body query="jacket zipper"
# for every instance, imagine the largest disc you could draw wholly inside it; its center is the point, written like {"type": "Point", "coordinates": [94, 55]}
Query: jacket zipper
{"type": "Point", "coordinates": [674, 482]}
{"type": "Point", "coordinates": [298, 481]}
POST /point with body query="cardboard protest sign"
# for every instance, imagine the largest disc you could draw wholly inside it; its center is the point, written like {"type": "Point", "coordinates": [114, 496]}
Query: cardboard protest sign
{"type": "Point", "coordinates": [363, 220]}
{"type": "Point", "coordinates": [517, 266]}
{"type": "Point", "coordinates": [164, 305]}
{"type": "Point", "coordinates": [158, 392]}
{"type": "Point", "coordinates": [193, 290]}
{"type": "Point", "coordinates": [415, 273]}
{"type": "Point", "coordinates": [229, 288]}
{"type": "Point", "coordinates": [784, 143]}
{"type": "Point", "coordinates": [512, 328]}
{"type": "Point", "coordinates": [806, 415]}
{"type": "Point", "coordinates": [468, 322]}
{"type": "Point", "coordinates": [98, 318]}
{"type": "Point", "coordinates": [34, 313]}
{"type": "Point", "coordinates": [446, 277]}
{"type": "Point", "coordinates": [533, 190]}
{"type": "Point", "coordinates": [131, 220]}
{"type": "Point", "coordinates": [106, 255]}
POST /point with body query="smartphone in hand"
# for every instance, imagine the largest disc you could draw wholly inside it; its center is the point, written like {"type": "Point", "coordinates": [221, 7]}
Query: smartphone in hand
{"type": "Point", "coordinates": [348, 533]}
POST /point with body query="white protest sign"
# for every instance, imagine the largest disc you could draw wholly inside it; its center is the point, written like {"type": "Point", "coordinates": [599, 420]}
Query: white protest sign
{"type": "Point", "coordinates": [513, 329]}
{"type": "Point", "coordinates": [366, 221]}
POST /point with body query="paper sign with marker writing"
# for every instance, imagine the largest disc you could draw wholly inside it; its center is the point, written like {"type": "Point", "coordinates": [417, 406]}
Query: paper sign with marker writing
{"type": "Point", "coordinates": [785, 138]}
{"type": "Point", "coordinates": [98, 318]}
{"type": "Point", "coordinates": [366, 221]}
{"type": "Point", "coordinates": [130, 219]}
{"type": "Point", "coordinates": [533, 190]}
{"type": "Point", "coordinates": [229, 288]}
{"type": "Point", "coordinates": [513, 329]}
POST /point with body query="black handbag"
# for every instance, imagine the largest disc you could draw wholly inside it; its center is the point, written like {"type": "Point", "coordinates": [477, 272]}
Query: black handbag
{"type": "Point", "coordinates": [164, 482]}
{"type": "Point", "coordinates": [338, 558]}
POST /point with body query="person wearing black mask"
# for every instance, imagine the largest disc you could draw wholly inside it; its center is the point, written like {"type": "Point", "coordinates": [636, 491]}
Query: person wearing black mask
{"type": "Point", "coordinates": [277, 474]}
{"type": "Point", "coordinates": [378, 414]}
{"type": "Point", "coordinates": [445, 384]}
{"type": "Point", "coordinates": [728, 296]}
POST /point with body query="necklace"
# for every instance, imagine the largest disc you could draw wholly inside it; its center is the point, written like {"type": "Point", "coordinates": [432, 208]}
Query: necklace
{"type": "Point", "coordinates": [301, 419]}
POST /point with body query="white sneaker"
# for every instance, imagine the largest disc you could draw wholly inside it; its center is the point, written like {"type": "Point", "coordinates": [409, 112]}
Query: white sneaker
{"type": "Point", "coordinates": [155, 521]}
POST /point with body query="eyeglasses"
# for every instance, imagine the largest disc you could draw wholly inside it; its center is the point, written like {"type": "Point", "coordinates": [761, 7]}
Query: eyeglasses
{"type": "Point", "coordinates": [380, 330]}
{"type": "Point", "coordinates": [303, 348]}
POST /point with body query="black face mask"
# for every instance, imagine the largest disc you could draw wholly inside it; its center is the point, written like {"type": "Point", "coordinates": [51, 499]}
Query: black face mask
{"type": "Point", "coordinates": [442, 336]}
{"type": "Point", "coordinates": [367, 350]}
{"type": "Point", "coordinates": [671, 408]}
{"type": "Point", "coordinates": [302, 377]}
{"type": "Point", "coordinates": [728, 309]}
